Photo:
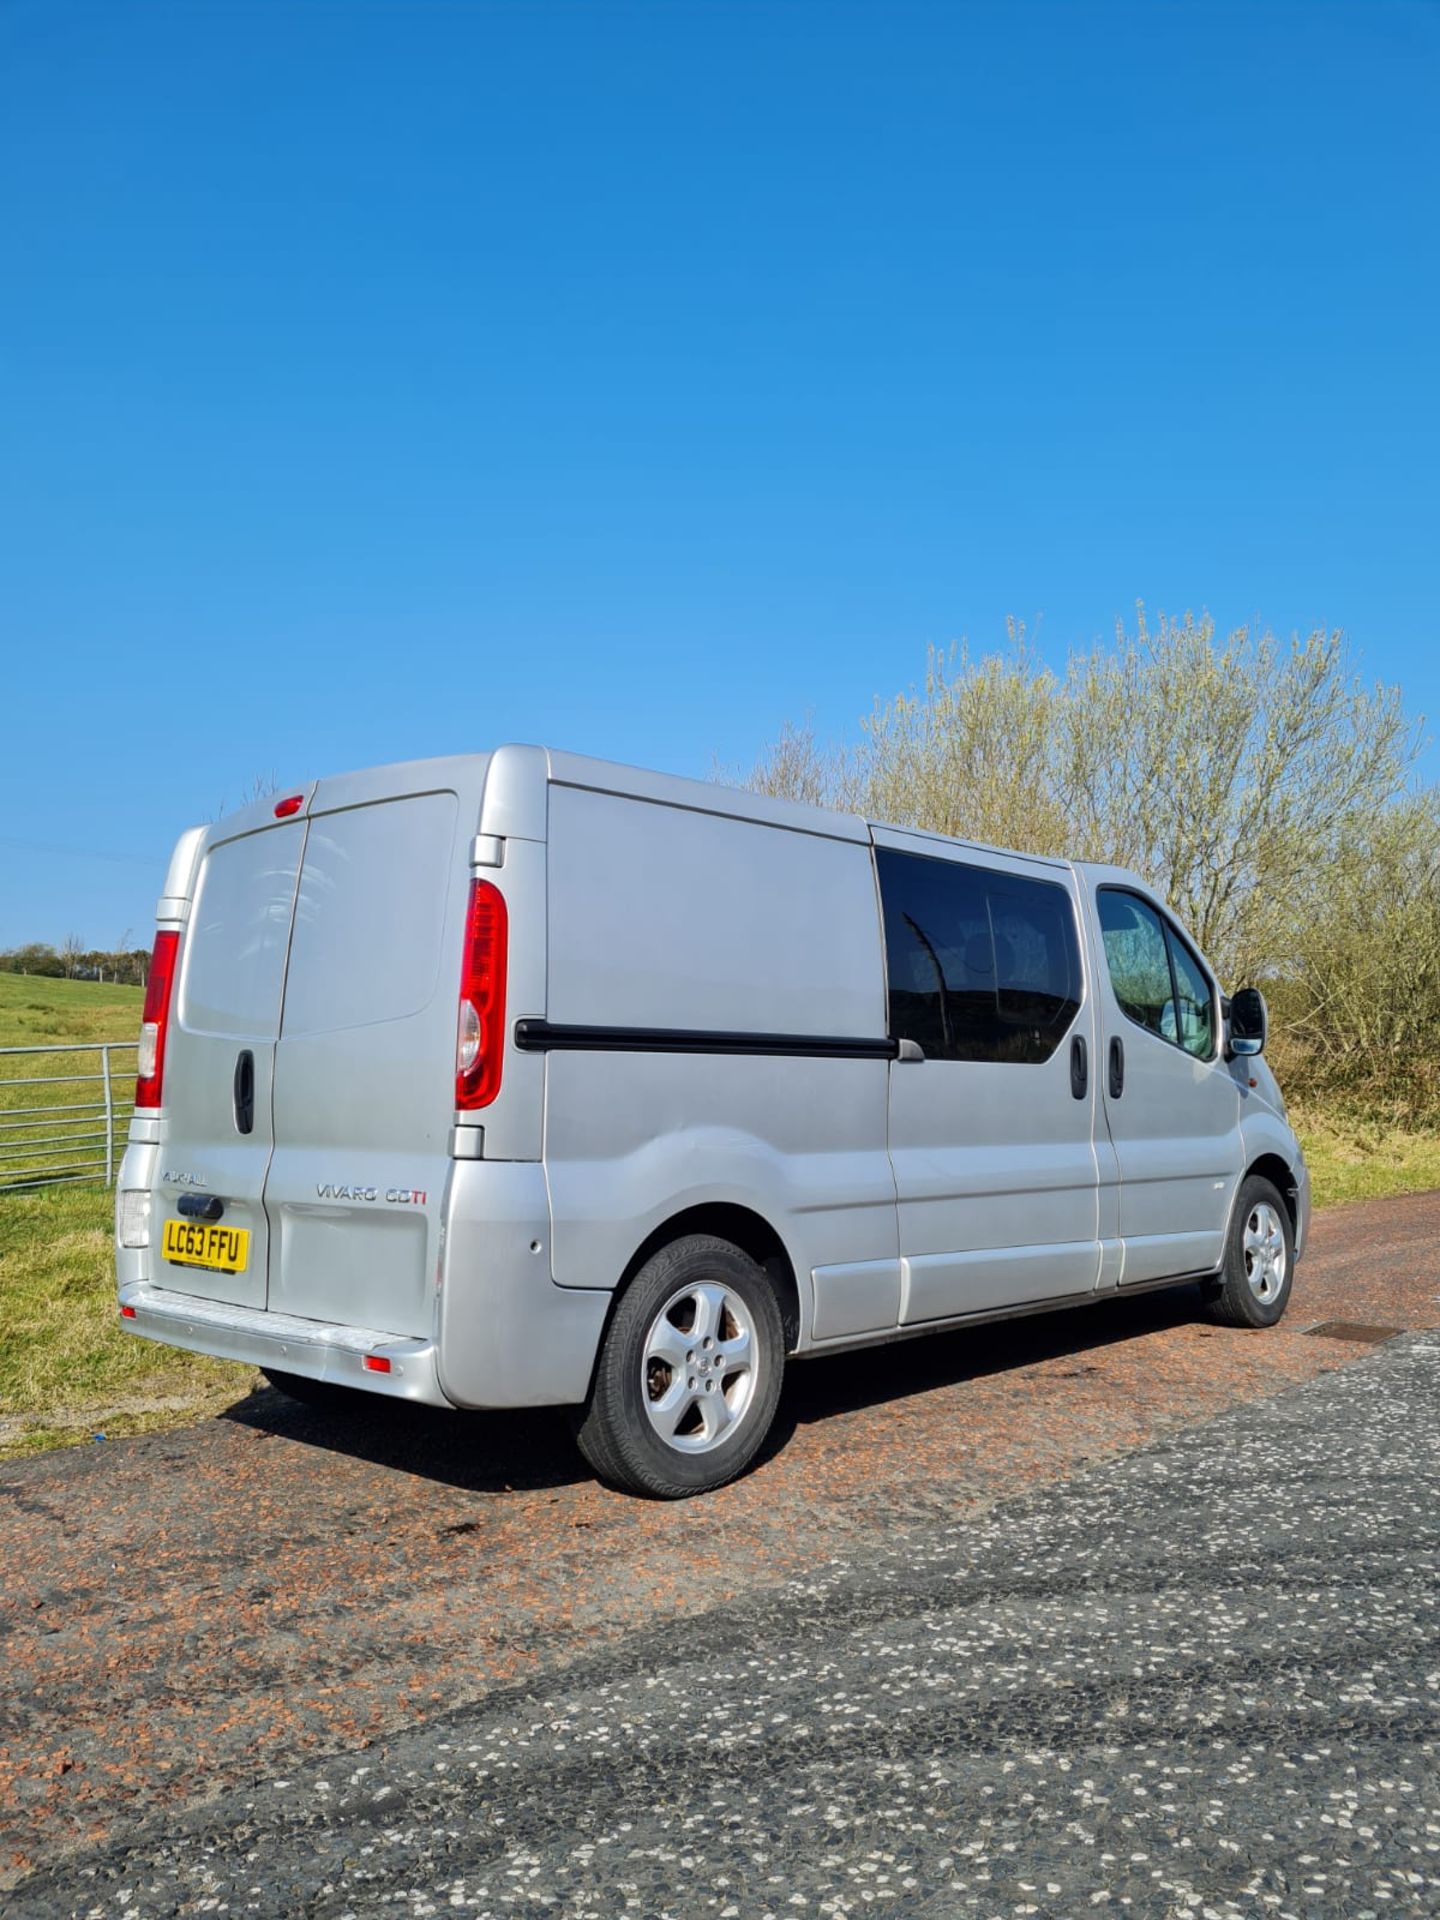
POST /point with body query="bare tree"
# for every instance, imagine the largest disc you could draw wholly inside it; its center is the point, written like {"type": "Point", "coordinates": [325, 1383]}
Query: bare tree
{"type": "Point", "coordinates": [259, 787]}
{"type": "Point", "coordinates": [1261, 785]}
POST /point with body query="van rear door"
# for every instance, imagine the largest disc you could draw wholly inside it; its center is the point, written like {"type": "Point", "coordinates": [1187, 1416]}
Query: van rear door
{"type": "Point", "coordinates": [365, 1066]}
{"type": "Point", "coordinates": [216, 1134]}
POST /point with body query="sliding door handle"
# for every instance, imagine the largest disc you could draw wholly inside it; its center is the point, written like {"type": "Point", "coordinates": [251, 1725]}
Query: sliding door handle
{"type": "Point", "coordinates": [1117, 1067]}
{"type": "Point", "coordinates": [1079, 1067]}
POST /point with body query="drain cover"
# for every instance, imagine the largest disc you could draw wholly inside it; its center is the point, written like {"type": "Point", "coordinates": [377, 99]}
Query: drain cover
{"type": "Point", "coordinates": [1352, 1330]}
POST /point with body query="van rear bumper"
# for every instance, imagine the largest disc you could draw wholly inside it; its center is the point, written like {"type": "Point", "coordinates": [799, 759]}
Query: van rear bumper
{"type": "Point", "coordinates": [316, 1349]}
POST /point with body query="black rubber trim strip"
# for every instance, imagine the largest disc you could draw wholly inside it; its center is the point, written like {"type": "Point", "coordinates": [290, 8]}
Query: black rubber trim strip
{"type": "Point", "coordinates": [540, 1036]}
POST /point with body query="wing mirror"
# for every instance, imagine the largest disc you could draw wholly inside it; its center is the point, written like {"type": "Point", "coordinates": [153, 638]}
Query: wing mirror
{"type": "Point", "coordinates": [1249, 1023]}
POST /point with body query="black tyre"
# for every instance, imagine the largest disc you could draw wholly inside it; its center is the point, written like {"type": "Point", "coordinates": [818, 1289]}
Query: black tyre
{"type": "Point", "coordinates": [689, 1373]}
{"type": "Point", "coordinates": [326, 1396]}
{"type": "Point", "coordinates": [1254, 1285]}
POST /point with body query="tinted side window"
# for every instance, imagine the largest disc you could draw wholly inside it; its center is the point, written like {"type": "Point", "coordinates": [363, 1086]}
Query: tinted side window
{"type": "Point", "coordinates": [1193, 998]}
{"type": "Point", "coordinates": [1157, 979]}
{"type": "Point", "coordinates": [1138, 961]}
{"type": "Point", "coordinates": [981, 965]}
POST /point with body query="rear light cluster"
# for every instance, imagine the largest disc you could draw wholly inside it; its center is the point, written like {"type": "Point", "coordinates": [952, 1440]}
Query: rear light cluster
{"type": "Point", "coordinates": [480, 1038]}
{"type": "Point", "coordinates": [132, 1217]}
{"type": "Point", "coordinates": [154, 1020]}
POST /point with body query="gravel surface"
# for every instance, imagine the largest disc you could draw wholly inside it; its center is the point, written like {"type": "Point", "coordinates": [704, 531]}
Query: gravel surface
{"type": "Point", "coordinates": [184, 1612]}
{"type": "Point", "coordinates": [1199, 1679]}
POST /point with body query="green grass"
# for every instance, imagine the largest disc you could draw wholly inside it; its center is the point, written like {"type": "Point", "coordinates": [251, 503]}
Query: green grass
{"type": "Point", "coordinates": [1350, 1159]}
{"type": "Point", "coordinates": [67, 1371]}
{"type": "Point", "coordinates": [35, 1012]}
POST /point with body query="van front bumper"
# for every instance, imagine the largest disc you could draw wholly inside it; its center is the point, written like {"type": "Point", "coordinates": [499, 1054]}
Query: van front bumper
{"type": "Point", "coordinates": [315, 1349]}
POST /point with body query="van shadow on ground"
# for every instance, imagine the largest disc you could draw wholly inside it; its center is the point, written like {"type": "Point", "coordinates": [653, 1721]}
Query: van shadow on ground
{"type": "Point", "coordinates": [846, 1383]}
{"type": "Point", "coordinates": [520, 1452]}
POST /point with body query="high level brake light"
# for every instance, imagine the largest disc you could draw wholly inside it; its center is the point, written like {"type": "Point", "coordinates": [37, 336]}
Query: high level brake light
{"type": "Point", "coordinates": [480, 1039]}
{"type": "Point", "coordinates": [154, 1019]}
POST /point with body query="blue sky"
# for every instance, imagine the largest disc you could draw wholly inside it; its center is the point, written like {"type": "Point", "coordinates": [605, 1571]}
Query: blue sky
{"type": "Point", "coordinates": [378, 381]}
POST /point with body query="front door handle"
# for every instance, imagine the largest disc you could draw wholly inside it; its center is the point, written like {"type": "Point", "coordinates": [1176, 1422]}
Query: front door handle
{"type": "Point", "coordinates": [245, 1092]}
{"type": "Point", "coordinates": [1079, 1067]}
{"type": "Point", "coordinates": [1117, 1067]}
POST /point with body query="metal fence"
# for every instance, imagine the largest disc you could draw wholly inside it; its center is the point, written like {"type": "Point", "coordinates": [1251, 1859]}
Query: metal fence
{"type": "Point", "coordinates": [60, 1127]}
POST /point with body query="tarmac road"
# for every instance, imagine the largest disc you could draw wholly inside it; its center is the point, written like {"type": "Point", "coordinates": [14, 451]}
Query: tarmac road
{"type": "Point", "coordinates": [855, 1679]}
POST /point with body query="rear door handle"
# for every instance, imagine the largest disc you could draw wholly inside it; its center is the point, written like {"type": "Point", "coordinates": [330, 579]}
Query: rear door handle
{"type": "Point", "coordinates": [1117, 1067]}
{"type": "Point", "coordinates": [1079, 1067]}
{"type": "Point", "coordinates": [245, 1092]}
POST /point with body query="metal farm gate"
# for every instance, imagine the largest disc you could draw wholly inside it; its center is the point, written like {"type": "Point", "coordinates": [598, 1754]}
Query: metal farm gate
{"type": "Point", "coordinates": [64, 1118]}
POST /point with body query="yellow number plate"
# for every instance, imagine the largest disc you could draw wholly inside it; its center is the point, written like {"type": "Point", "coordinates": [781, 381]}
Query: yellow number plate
{"type": "Point", "coordinates": [197, 1243]}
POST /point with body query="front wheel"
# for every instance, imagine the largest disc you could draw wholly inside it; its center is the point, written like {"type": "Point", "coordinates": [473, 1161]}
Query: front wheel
{"type": "Point", "coordinates": [689, 1373]}
{"type": "Point", "coordinates": [1253, 1289]}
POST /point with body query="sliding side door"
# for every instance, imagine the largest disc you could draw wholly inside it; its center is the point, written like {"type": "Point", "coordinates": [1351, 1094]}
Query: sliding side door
{"type": "Point", "coordinates": [992, 1116]}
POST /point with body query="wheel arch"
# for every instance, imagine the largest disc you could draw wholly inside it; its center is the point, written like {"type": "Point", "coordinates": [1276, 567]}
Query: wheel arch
{"type": "Point", "coordinates": [751, 1232]}
{"type": "Point", "coordinates": [1282, 1176]}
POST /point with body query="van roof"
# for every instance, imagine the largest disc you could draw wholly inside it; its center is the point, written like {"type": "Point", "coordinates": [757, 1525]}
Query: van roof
{"type": "Point", "coordinates": [712, 796]}
{"type": "Point", "coordinates": [513, 767]}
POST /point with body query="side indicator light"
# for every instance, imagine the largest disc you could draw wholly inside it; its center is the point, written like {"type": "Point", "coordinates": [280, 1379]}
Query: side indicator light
{"type": "Point", "coordinates": [375, 1363]}
{"type": "Point", "coordinates": [284, 808]}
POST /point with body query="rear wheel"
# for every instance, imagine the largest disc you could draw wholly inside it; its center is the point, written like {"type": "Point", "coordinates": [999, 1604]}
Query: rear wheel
{"type": "Point", "coordinates": [326, 1396]}
{"type": "Point", "coordinates": [1254, 1285]}
{"type": "Point", "coordinates": [689, 1374]}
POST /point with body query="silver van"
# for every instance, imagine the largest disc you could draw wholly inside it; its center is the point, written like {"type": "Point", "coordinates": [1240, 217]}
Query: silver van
{"type": "Point", "coordinates": [520, 1079]}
